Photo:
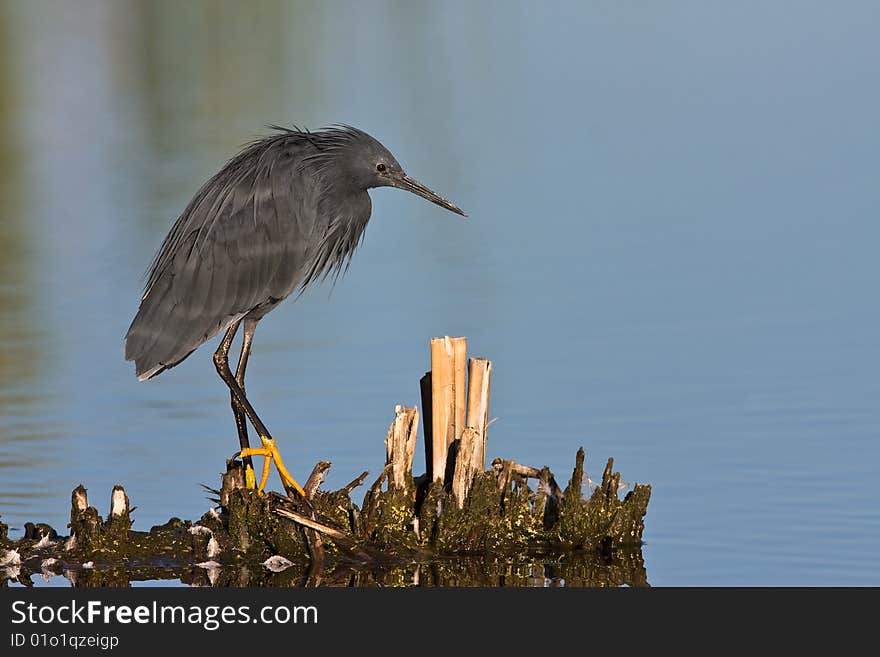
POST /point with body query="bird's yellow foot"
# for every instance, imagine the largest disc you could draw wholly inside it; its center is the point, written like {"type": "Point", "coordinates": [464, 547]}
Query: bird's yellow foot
{"type": "Point", "coordinates": [270, 452]}
{"type": "Point", "coordinates": [250, 479]}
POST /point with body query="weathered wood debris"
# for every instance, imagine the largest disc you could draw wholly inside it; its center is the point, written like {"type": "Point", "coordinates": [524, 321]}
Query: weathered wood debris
{"type": "Point", "coordinates": [460, 523]}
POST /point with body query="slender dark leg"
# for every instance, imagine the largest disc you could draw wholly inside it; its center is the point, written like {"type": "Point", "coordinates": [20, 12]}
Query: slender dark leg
{"type": "Point", "coordinates": [221, 363]}
{"type": "Point", "coordinates": [222, 354]}
{"type": "Point", "coordinates": [250, 326]}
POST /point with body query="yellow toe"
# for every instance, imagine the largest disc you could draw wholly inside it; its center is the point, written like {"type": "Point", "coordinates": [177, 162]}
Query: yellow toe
{"type": "Point", "coordinates": [270, 451]}
{"type": "Point", "coordinates": [250, 479]}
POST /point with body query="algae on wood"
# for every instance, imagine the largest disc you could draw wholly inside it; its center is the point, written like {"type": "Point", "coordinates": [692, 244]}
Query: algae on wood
{"type": "Point", "coordinates": [503, 522]}
{"type": "Point", "coordinates": [425, 530]}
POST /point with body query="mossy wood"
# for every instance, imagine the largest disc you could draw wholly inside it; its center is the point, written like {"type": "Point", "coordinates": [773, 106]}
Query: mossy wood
{"type": "Point", "coordinates": [407, 530]}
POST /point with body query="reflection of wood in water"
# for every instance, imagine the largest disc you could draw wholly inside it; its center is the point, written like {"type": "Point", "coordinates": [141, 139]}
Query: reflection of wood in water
{"type": "Point", "coordinates": [623, 568]}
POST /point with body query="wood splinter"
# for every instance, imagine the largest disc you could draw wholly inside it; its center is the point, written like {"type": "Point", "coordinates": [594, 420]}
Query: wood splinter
{"type": "Point", "coordinates": [504, 468]}
{"type": "Point", "coordinates": [342, 538]}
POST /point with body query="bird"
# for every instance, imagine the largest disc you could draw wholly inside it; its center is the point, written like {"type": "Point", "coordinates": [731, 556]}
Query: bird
{"type": "Point", "coordinates": [285, 213]}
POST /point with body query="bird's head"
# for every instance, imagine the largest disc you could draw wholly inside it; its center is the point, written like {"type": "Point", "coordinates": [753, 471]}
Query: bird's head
{"type": "Point", "coordinates": [368, 164]}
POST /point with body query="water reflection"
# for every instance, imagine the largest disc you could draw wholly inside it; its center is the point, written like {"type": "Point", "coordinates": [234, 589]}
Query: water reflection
{"type": "Point", "coordinates": [625, 568]}
{"type": "Point", "coordinates": [26, 426]}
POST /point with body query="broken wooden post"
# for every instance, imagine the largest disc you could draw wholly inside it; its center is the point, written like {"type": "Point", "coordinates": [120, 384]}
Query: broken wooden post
{"type": "Point", "coordinates": [479, 380]}
{"type": "Point", "coordinates": [119, 521]}
{"type": "Point", "coordinates": [459, 391]}
{"type": "Point", "coordinates": [470, 452]}
{"type": "Point", "coordinates": [400, 445]}
{"type": "Point", "coordinates": [231, 480]}
{"type": "Point", "coordinates": [459, 399]}
{"type": "Point", "coordinates": [79, 502]}
{"type": "Point", "coordinates": [442, 405]}
{"type": "Point", "coordinates": [85, 522]}
{"type": "Point", "coordinates": [466, 464]}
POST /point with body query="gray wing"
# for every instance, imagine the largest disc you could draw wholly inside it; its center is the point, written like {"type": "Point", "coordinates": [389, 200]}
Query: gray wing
{"type": "Point", "coordinates": [240, 244]}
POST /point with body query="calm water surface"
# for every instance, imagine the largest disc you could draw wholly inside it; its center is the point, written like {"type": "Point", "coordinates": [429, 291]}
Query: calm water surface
{"type": "Point", "coordinates": [671, 254]}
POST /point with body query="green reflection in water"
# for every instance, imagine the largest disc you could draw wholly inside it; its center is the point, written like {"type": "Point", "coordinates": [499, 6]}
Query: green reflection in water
{"type": "Point", "coordinates": [23, 362]}
{"type": "Point", "coordinates": [20, 353]}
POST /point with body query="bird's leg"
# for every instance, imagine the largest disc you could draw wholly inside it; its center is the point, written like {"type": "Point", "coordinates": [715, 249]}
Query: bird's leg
{"type": "Point", "coordinates": [240, 417]}
{"type": "Point", "coordinates": [269, 450]}
{"type": "Point", "coordinates": [222, 356]}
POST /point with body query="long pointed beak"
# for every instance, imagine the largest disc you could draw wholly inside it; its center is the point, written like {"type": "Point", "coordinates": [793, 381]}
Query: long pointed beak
{"type": "Point", "coordinates": [414, 186]}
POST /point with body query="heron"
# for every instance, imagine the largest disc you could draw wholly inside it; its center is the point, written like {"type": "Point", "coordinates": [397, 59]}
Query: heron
{"type": "Point", "coordinates": [286, 212]}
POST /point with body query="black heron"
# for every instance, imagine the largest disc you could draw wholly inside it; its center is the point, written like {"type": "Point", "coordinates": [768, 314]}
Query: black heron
{"type": "Point", "coordinates": [287, 211]}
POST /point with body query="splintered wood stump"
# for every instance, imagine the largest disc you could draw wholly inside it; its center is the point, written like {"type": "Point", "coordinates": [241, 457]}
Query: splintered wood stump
{"type": "Point", "coordinates": [467, 464]}
{"type": "Point", "coordinates": [470, 452]}
{"type": "Point", "coordinates": [479, 380]}
{"type": "Point", "coordinates": [455, 396]}
{"type": "Point", "coordinates": [448, 357]}
{"type": "Point", "coordinates": [400, 446]}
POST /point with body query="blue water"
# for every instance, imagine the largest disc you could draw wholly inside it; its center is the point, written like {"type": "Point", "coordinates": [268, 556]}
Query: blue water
{"type": "Point", "coordinates": [671, 254]}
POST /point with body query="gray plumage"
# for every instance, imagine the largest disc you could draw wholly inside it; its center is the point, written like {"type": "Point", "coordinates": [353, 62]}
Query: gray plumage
{"type": "Point", "coordinates": [288, 210]}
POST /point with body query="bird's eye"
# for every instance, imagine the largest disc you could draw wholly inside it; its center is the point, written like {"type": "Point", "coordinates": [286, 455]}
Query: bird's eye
{"type": "Point", "coordinates": [380, 167]}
